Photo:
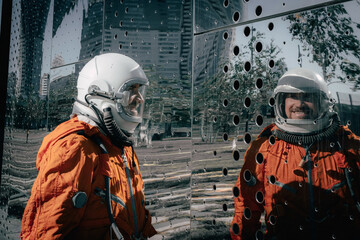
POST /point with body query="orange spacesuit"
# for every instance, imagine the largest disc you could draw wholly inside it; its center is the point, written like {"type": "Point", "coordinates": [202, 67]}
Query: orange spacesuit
{"type": "Point", "coordinates": [272, 180]}
{"type": "Point", "coordinates": [89, 184]}
{"type": "Point", "coordinates": [74, 164]}
{"type": "Point", "coordinates": [302, 171]}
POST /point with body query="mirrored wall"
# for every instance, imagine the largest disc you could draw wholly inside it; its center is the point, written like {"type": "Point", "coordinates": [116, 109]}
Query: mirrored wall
{"type": "Point", "coordinates": [212, 67]}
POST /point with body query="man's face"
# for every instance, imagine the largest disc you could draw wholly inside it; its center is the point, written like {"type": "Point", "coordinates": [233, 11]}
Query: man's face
{"type": "Point", "coordinates": [301, 105]}
{"type": "Point", "coordinates": [135, 99]}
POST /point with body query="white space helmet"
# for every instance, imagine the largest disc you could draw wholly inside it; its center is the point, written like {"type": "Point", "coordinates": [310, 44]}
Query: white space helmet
{"type": "Point", "coordinates": [112, 84]}
{"type": "Point", "coordinates": [310, 86]}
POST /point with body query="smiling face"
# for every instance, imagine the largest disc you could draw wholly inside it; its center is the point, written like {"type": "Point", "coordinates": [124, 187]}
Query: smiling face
{"type": "Point", "coordinates": [301, 105]}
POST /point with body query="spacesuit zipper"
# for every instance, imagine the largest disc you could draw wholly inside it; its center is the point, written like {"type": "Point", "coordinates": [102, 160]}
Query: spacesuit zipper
{"type": "Point", "coordinates": [132, 197]}
{"type": "Point", "coordinates": [311, 191]}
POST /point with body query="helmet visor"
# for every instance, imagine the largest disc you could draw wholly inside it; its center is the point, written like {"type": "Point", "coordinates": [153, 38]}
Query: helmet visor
{"type": "Point", "coordinates": [300, 105]}
{"type": "Point", "coordinates": [133, 100]}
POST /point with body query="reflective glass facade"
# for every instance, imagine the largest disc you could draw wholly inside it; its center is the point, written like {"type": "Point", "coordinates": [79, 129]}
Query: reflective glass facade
{"type": "Point", "coordinates": [212, 67]}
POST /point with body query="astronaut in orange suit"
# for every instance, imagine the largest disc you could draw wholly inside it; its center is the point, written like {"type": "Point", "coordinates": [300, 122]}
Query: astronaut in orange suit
{"type": "Point", "coordinates": [301, 173]}
{"type": "Point", "coordinates": [89, 184]}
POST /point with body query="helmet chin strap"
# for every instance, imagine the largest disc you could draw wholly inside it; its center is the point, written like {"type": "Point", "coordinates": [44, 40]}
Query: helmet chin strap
{"type": "Point", "coordinates": [107, 124]}
{"type": "Point", "coordinates": [306, 139]}
{"type": "Point", "coordinates": [118, 136]}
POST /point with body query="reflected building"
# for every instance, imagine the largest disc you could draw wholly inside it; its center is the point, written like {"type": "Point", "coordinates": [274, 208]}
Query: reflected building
{"type": "Point", "coordinates": [44, 84]}
{"type": "Point", "coordinates": [91, 35]}
{"type": "Point", "coordinates": [32, 28]}
{"type": "Point", "coordinates": [158, 36]}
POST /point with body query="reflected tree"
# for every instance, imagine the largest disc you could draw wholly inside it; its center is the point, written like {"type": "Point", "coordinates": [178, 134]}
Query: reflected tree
{"type": "Point", "coordinates": [257, 77]}
{"type": "Point", "coordinates": [61, 99]}
{"type": "Point", "coordinates": [233, 99]}
{"type": "Point", "coordinates": [327, 34]}
{"type": "Point", "coordinates": [30, 110]}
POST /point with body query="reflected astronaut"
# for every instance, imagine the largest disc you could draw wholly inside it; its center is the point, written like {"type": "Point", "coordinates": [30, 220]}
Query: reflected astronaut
{"type": "Point", "coordinates": [89, 184]}
{"type": "Point", "coordinates": [302, 171]}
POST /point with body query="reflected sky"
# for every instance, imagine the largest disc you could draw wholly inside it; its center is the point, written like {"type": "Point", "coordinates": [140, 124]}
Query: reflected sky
{"type": "Point", "coordinates": [283, 39]}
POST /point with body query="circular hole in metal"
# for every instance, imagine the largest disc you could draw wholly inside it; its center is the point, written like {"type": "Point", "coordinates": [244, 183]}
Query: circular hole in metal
{"type": "Point", "coordinates": [213, 221]}
{"type": "Point", "coordinates": [247, 66]}
{"type": "Point", "coordinates": [247, 213]}
{"type": "Point", "coordinates": [271, 26]}
{"type": "Point", "coordinates": [226, 69]}
{"type": "Point", "coordinates": [283, 4]}
{"type": "Point", "coordinates": [272, 220]}
{"type": "Point", "coordinates": [332, 144]}
{"type": "Point", "coordinates": [235, 228]}
{"type": "Point", "coordinates": [116, 13]}
{"type": "Point", "coordinates": [236, 120]}
{"type": "Point", "coordinates": [215, 119]}
{"type": "Point", "coordinates": [236, 191]}
{"type": "Point", "coordinates": [259, 83]}
{"type": "Point", "coordinates": [271, 63]}
{"type": "Point", "coordinates": [115, 36]}
{"type": "Point", "coordinates": [272, 139]}
{"type": "Point", "coordinates": [246, 1]}
{"type": "Point", "coordinates": [272, 102]}
{"type": "Point", "coordinates": [236, 85]}
{"type": "Point", "coordinates": [225, 103]}
{"type": "Point", "coordinates": [247, 138]}
{"type": "Point", "coordinates": [247, 102]}
{"type": "Point", "coordinates": [272, 179]}
{"type": "Point", "coordinates": [259, 197]}
{"type": "Point", "coordinates": [247, 175]}
{"type": "Point", "coordinates": [259, 235]}
{"type": "Point", "coordinates": [225, 35]}
{"type": "Point", "coordinates": [348, 122]}
{"type": "Point", "coordinates": [120, 46]}
{"type": "Point", "coordinates": [225, 137]}
{"type": "Point", "coordinates": [236, 50]}
{"type": "Point", "coordinates": [224, 207]}
{"type": "Point", "coordinates": [259, 158]}
{"type": "Point", "coordinates": [214, 187]}
{"type": "Point", "coordinates": [247, 31]}
{"type": "Point", "coordinates": [258, 10]}
{"type": "Point", "coordinates": [258, 47]}
{"type": "Point", "coordinates": [126, 33]}
{"type": "Point", "coordinates": [236, 155]}
{"type": "Point", "coordinates": [215, 153]}
{"type": "Point", "coordinates": [120, 23]}
{"type": "Point", "coordinates": [259, 120]}
{"type": "Point", "coordinates": [225, 171]}
{"type": "Point", "coordinates": [236, 16]}
{"type": "Point", "coordinates": [226, 3]}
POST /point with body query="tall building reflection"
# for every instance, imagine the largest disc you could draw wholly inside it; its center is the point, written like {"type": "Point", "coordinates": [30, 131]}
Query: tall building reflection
{"type": "Point", "coordinates": [158, 36]}
{"type": "Point", "coordinates": [32, 27]}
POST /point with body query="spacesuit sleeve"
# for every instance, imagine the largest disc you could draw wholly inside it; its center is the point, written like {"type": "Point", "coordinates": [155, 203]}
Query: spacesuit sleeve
{"type": "Point", "coordinates": [248, 207]}
{"type": "Point", "coordinates": [57, 201]}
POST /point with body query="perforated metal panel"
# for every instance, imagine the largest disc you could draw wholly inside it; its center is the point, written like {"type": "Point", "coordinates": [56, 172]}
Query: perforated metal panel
{"type": "Point", "coordinates": [212, 67]}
